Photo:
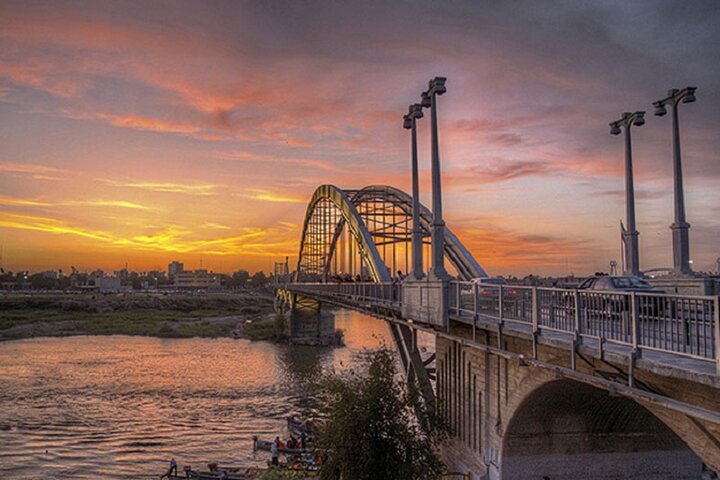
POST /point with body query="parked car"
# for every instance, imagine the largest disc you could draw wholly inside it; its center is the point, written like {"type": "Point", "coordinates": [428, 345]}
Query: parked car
{"type": "Point", "coordinates": [610, 285]}
{"type": "Point", "coordinates": [490, 281]}
{"type": "Point", "coordinates": [625, 283]}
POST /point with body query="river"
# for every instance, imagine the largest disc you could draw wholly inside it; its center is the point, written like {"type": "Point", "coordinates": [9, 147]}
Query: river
{"type": "Point", "coordinates": [121, 407]}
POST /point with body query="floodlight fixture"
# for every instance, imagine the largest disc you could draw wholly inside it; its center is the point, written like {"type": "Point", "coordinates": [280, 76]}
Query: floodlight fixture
{"type": "Point", "coordinates": [407, 122]}
{"type": "Point", "coordinates": [426, 100]}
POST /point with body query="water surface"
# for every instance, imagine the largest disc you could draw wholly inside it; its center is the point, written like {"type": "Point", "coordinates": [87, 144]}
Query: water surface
{"type": "Point", "coordinates": [120, 406]}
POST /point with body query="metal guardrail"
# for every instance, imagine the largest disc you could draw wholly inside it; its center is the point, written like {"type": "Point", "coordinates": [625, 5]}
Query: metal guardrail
{"type": "Point", "coordinates": [380, 294]}
{"type": "Point", "coordinates": [688, 326]}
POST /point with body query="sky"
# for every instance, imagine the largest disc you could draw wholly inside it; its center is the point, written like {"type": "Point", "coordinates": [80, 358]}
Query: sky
{"type": "Point", "coordinates": [143, 132]}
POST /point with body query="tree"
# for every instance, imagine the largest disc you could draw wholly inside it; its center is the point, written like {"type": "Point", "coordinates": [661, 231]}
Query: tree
{"type": "Point", "coordinates": [240, 278]}
{"type": "Point", "coordinates": [378, 428]}
{"type": "Point", "coordinates": [259, 279]}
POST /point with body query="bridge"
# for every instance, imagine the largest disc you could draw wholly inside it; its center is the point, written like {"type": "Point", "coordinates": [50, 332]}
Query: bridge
{"type": "Point", "coordinates": [533, 381]}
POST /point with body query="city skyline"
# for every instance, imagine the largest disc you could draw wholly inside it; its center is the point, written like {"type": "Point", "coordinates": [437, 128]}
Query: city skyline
{"type": "Point", "coordinates": [142, 134]}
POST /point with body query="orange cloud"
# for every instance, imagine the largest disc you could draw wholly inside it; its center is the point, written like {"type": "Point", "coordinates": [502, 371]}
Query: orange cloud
{"type": "Point", "coordinates": [27, 168]}
{"type": "Point", "coordinates": [173, 238]}
{"type": "Point", "coordinates": [169, 187]}
{"type": "Point", "coordinates": [269, 196]}
{"type": "Point", "coordinates": [502, 251]}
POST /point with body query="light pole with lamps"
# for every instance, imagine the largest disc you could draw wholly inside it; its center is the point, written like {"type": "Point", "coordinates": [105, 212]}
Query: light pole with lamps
{"type": "Point", "coordinates": [409, 122]}
{"type": "Point", "coordinates": [630, 237]}
{"type": "Point", "coordinates": [681, 237]}
{"type": "Point", "coordinates": [436, 87]}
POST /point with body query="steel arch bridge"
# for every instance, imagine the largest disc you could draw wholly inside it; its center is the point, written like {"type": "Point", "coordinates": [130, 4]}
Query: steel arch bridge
{"type": "Point", "coordinates": [368, 232]}
{"type": "Point", "coordinates": [661, 351]}
{"type": "Point", "coordinates": [365, 236]}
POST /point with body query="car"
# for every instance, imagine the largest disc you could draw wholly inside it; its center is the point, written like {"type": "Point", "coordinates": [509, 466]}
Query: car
{"type": "Point", "coordinates": [488, 292]}
{"type": "Point", "coordinates": [617, 283]}
{"type": "Point", "coordinates": [490, 282]}
{"type": "Point", "coordinates": [621, 284]}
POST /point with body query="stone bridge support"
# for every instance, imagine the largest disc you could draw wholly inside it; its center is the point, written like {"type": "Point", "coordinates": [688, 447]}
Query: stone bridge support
{"type": "Point", "coordinates": [516, 421]}
{"type": "Point", "coordinates": [306, 321]}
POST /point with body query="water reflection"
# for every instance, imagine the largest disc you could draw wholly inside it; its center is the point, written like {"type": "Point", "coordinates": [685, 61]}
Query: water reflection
{"type": "Point", "coordinates": [119, 406]}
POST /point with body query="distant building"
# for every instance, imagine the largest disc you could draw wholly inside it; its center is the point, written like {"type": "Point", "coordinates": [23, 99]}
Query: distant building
{"type": "Point", "coordinates": [112, 285]}
{"type": "Point", "coordinates": [174, 268]}
{"type": "Point", "coordinates": [196, 279]}
{"type": "Point", "coordinates": [108, 284]}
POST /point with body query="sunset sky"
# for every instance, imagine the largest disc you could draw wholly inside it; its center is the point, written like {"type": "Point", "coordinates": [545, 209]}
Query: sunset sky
{"type": "Point", "coordinates": [144, 132]}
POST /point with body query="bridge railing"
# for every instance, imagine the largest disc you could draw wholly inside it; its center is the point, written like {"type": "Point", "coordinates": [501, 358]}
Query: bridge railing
{"type": "Point", "coordinates": [686, 325]}
{"type": "Point", "coordinates": [379, 294]}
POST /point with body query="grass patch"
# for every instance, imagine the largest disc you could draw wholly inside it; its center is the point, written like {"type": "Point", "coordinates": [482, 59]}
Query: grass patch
{"type": "Point", "coordinates": [267, 329]}
{"type": "Point", "coordinates": [172, 316]}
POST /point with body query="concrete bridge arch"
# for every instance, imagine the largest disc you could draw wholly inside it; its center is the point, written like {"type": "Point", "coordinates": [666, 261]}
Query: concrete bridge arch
{"type": "Point", "coordinates": [516, 421]}
{"type": "Point", "coordinates": [564, 429]}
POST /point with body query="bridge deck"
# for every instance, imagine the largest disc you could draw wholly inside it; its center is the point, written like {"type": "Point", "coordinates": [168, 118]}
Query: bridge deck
{"type": "Point", "coordinates": [669, 335]}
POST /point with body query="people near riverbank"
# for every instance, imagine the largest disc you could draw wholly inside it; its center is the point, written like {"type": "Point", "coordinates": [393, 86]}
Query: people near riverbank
{"type": "Point", "coordinates": [293, 443]}
{"type": "Point", "coordinates": [172, 471]}
{"type": "Point", "coordinates": [275, 450]}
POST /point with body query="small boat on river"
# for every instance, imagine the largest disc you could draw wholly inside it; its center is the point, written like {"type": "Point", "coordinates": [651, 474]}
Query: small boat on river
{"type": "Point", "coordinates": [297, 427]}
{"type": "Point", "coordinates": [215, 472]}
{"type": "Point", "coordinates": [260, 444]}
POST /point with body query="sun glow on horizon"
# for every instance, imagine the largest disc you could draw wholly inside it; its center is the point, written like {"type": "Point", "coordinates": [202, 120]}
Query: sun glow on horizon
{"type": "Point", "coordinates": [126, 142]}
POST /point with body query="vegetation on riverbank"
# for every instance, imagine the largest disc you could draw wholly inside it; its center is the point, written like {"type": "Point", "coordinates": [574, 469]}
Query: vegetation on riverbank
{"type": "Point", "coordinates": [171, 316]}
{"type": "Point", "coordinates": [377, 426]}
{"type": "Point", "coordinates": [269, 329]}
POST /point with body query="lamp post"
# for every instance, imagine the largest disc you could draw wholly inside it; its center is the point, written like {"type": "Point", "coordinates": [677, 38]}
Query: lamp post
{"type": "Point", "coordinates": [409, 122]}
{"type": "Point", "coordinates": [681, 238]}
{"type": "Point", "coordinates": [630, 236]}
{"type": "Point", "coordinates": [436, 87]}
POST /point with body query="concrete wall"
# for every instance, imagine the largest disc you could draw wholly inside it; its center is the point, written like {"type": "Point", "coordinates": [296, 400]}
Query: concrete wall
{"type": "Point", "coordinates": [519, 422]}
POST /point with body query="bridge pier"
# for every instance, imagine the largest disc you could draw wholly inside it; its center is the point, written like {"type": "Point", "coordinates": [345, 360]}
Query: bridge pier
{"type": "Point", "coordinates": [307, 323]}
{"type": "Point", "coordinates": [515, 421]}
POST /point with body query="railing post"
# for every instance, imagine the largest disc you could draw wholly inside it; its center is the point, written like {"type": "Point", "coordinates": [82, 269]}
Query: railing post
{"type": "Point", "coordinates": [500, 317]}
{"type": "Point", "coordinates": [634, 352]}
{"type": "Point", "coordinates": [500, 303]}
{"type": "Point", "coordinates": [457, 299]}
{"type": "Point", "coordinates": [475, 310]}
{"type": "Point", "coordinates": [576, 330]}
{"type": "Point", "coordinates": [535, 321]}
{"type": "Point", "coordinates": [717, 333]}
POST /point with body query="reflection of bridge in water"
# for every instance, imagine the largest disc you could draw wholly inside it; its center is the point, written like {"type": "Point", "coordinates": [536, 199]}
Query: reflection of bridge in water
{"type": "Point", "coordinates": [533, 381]}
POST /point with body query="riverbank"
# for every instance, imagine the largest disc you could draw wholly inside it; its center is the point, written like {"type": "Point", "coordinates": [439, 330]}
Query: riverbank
{"type": "Point", "coordinates": [177, 315]}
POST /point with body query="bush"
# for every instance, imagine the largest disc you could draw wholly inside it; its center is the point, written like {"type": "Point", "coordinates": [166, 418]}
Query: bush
{"type": "Point", "coordinates": [280, 326]}
{"type": "Point", "coordinates": [377, 427]}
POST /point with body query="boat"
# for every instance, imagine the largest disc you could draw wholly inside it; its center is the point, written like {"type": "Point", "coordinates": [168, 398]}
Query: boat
{"type": "Point", "coordinates": [259, 444]}
{"type": "Point", "coordinates": [297, 427]}
{"type": "Point", "coordinates": [214, 473]}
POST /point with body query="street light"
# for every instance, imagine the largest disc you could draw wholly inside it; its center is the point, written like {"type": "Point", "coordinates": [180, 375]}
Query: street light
{"type": "Point", "coordinates": [630, 237]}
{"type": "Point", "coordinates": [436, 87]}
{"type": "Point", "coordinates": [680, 228]}
{"type": "Point", "coordinates": [409, 122]}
